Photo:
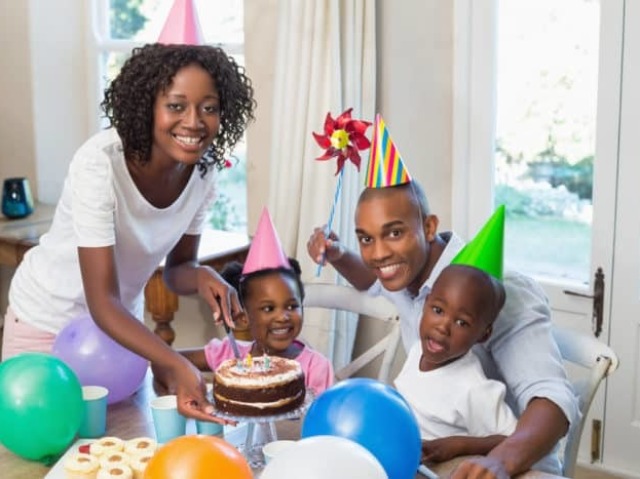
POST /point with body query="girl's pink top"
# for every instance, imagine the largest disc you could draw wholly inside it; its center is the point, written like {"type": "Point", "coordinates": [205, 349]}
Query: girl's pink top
{"type": "Point", "coordinates": [318, 371]}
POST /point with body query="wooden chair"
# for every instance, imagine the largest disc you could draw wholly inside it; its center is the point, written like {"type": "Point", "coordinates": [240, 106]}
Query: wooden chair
{"type": "Point", "coordinates": [347, 298]}
{"type": "Point", "coordinates": [600, 361]}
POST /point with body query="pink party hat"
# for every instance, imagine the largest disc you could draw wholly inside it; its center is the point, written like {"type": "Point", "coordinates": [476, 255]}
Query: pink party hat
{"type": "Point", "coordinates": [385, 166]}
{"type": "Point", "coordinates": [265, 251]}
{"type": "Point", "coordinates": [181, 27]}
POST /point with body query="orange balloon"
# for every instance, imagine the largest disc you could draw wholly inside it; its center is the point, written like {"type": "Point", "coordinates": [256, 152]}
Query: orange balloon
{"type": "Point", "coordinates": [198, 457]}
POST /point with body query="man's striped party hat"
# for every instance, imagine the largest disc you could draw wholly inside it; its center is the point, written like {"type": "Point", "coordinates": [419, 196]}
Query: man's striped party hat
{"type": "Point", "coordinates": [385, 166]}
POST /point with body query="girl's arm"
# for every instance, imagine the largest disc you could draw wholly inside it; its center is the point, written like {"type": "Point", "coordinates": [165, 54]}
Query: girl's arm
{"type": "Point", "coordinates": [100, 281]}
{"type": "Point", "coordinates": [197, 357]}
{"type": "Point", "coordinates": [183, 275]}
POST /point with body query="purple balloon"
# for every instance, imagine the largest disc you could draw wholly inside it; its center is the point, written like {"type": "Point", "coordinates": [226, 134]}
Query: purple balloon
{"type": "Point", "coordinates": [98, 360]}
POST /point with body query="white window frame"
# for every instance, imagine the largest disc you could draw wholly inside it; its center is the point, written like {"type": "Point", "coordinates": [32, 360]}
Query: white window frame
{"type": "Point", "coordinates": [475, 23]}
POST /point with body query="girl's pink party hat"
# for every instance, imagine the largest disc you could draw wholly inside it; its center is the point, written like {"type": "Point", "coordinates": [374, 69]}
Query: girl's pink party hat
{"type": "Point", "coordinates": [181, 27]}
{"type": "Point", "coordinates": [266, 251]}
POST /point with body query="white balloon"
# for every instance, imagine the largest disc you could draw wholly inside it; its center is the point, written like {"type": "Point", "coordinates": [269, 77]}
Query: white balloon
{"type": "Point", "coordinates": [324, 457]}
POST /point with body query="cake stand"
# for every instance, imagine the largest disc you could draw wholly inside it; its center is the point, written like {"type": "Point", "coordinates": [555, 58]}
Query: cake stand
{"type": "Point", "coordinates": [262, 430]}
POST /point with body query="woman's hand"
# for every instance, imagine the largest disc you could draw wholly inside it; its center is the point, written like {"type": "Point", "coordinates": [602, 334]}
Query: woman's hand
{"type": "Point", "coordinates": [185, 381]}
{"type": "Point", "coordinates": [221, 297]}
{"type": "Point", "coordinates": [322, 248]}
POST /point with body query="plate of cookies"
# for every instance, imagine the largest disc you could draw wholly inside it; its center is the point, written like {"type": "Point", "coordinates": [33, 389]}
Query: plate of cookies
{"type": "Point", "coordinates": [105, 458]}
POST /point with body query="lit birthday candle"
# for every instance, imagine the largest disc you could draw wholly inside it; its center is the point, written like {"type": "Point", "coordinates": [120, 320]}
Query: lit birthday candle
{"type": "Point", "coordinates": [249, 361]}
{"type": "Point", "coordinates": [239, 365]}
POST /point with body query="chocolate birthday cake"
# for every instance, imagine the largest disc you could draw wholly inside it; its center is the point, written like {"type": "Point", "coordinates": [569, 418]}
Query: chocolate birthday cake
{"type": "Point", "coordinates": [261, 386]}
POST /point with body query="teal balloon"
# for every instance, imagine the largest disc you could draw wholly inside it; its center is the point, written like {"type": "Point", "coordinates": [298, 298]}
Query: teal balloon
{"type": "Point", "coordinates": [40, 406]}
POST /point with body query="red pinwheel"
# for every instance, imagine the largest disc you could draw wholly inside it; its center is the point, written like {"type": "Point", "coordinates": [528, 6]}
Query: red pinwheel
{"type": "Point", "coordinates": [343, 138]}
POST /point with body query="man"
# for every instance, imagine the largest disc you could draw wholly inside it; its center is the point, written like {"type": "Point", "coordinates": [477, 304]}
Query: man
{"type": "Point", "coordinates": [401, 255]}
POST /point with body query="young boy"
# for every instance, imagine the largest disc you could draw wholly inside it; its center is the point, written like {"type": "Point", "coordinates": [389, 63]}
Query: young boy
{"type": "Point", "coordinates": [401, 255]}
{"type": "Point", "coordinates": [459, 410]}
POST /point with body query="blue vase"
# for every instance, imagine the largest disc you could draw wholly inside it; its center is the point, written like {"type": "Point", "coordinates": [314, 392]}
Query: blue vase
{"type": "Point", "coordinates": [17, 201]}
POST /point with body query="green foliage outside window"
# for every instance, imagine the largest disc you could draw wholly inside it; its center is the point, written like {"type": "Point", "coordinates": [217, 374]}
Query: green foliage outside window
{"type": "Point", "coordinates": [125, 18]}
{"type": "Point", "coordinates": [229, 210]}
{"type": "Point", "coordinates": [548, 184]}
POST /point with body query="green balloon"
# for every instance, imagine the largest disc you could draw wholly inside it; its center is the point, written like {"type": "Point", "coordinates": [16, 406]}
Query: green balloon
{"type": "Point", "coordinates": [40, 406]}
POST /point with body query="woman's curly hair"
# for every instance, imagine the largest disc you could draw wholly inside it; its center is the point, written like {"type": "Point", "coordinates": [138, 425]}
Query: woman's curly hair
{"type": "Point", "coordinates": [130, 98]}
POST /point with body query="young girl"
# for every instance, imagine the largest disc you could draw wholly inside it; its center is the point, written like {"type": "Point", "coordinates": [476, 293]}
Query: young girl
{"type": "Point", "coordinates": [137, 193]}
{"type": "Point", "coordinates": [271, 293]}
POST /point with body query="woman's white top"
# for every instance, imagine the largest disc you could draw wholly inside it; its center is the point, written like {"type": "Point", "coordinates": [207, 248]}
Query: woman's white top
{"type": "Point", "coordinates": [101, 206]}
{"type": "Point", "coordinates": [456, 399]}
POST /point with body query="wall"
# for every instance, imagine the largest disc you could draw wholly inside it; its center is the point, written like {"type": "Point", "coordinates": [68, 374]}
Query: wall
{"type": "Point", "coordinates": [415, 61]}
{"type": "Point", "coordinates": [17, 149]}
{"type": "Point", "coordinates": [59, 86]}
{"type": "Point", "coordinates": [43, 76]}
{"type": "Point", "coordinates": [260, 25]}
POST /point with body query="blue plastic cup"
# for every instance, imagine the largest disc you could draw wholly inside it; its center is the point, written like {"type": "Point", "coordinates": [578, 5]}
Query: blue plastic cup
{"type": "Point", "coordinates": [94, 422]}
{"type": "Point", "coordinates": [209, 428]}
{"type": "Point", "coordinates": [167, 421]}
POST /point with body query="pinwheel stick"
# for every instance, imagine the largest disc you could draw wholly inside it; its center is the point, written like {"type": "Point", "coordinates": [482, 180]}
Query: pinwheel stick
{"type": "Point", "coordinates": [327, 230]}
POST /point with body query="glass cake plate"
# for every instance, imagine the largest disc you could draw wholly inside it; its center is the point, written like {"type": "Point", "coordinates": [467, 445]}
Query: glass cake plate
{"type": "Point", "coordinates": [293, 414]}
{"type": "Point", "coordinates": [262, 429]}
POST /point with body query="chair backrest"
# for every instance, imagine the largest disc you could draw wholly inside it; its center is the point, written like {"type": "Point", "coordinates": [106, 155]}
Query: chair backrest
{"type": "Point", "coordinates": [585, 351]}
{"type": "Point", "coordinates": [346, 298]}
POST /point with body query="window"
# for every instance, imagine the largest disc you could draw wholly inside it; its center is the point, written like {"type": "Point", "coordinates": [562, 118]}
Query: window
{"type": "Point", "coordinates": [547, 79]}
{"type": "Point", "coordinates": [121, 25]}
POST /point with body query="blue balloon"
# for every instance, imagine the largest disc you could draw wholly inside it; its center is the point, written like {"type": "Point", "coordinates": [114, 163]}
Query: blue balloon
{"type": "Point", "coordinates": [375, 416]}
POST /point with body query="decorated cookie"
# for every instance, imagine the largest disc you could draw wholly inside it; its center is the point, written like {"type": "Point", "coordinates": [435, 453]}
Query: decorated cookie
{"type": "Point", "coordinates": [111, 459]}
{"type": "Point", "coordinates": [106, 445]}
{"type": "Point", "coordinates": [81, 466]}
{"type": "Point", "coordinates": [139, 464]}
{"type": "Point", "coordinates": [115, 472]}
{"type": "Point", "coordinates": [140, 445]}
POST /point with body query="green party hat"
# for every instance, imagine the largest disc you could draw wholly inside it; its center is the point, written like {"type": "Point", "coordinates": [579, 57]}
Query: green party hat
{"type": "Point", "coordinates": [485, 250]}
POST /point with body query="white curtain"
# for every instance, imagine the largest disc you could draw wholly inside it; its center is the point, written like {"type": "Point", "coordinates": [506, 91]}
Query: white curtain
{"type": "Point", "coordinates": [325, 61]}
